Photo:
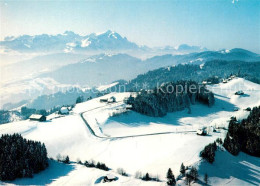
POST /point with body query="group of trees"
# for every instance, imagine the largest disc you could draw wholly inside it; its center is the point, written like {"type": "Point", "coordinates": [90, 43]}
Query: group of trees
{"type": "Point", "coordinates": [63, 159]}
{"type": "Point", "coordinates": [244, 135]}
{"type": "Point", "coordinates": [171, 97]}
{"type": "Point", "coordinates": [208, 153]}
{"type": "Point", "coordinates": [190, 174]}
{"type": "Point", "coordinates": [20, 157]}
{"type": "Point", "coordinates": [92, 164]}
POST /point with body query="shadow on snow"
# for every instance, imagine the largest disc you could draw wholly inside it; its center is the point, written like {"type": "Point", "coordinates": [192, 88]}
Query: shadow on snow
{"type": "Point", "coordinates": [243, 167]}
{"type": "Point", "coordinates": [47, 176]}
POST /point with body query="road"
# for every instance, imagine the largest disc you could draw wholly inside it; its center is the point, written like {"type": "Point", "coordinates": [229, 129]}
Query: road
{"type": "Point", "coordinates": [129, 136]}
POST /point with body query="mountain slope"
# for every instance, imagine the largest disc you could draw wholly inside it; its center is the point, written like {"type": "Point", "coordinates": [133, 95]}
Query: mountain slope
{"type": "Point", "coordinates": [98, 70]}
{"type": "Point", "coordinates": [104, 68]}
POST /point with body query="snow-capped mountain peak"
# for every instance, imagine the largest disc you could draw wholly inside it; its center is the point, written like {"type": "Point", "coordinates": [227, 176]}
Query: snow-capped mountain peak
{"type": "Point", "coordinates": [68, 42]}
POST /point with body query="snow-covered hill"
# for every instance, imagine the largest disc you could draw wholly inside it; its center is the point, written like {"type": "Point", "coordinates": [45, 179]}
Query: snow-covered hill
{"type": "Point", "coordinates": [118, 146]}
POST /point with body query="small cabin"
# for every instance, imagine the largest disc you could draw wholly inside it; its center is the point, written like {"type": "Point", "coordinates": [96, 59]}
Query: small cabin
{"type": "Point", "coordinates": [37, 117]}
{"type": "Point", "coordinates": [109, 178]}
{"type": "Point", "coordinates": [202, 131]}
{"type": "Point", "coordinates": [240, 92]}
{"type": "Point", "coordinates": [112, 99]}
{"type": "Point", "coordinates": [64, 110]}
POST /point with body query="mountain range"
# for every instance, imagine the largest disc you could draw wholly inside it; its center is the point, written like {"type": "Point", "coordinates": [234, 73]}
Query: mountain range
{"type": "Point", "coordinates": [72, 42]}
{"type": "Point", "coordinates": [71, 60]}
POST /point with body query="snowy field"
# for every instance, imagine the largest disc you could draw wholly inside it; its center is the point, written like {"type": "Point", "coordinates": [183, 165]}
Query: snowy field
{"type": "Point", "coordinates": [136, 142]}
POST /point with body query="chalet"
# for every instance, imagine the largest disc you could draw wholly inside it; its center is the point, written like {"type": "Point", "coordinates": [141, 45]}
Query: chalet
{"type": "Point", "coordinates": [64, 110]}
{"type": "Point", "coordinates": [112, 99]}
{"type": "Point", "coordinates": [37, 117]}
{"type": "Point", "coordinates": [225, 80]}
{"type": "Point", "coordinates": [202, 131]}
{"type": "Point", "coordinates": [109, 178]}
{"type": "Point", "coordinates": [240, 92]}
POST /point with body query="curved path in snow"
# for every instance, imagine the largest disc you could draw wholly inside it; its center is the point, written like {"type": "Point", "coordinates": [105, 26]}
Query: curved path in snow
{"type": "Point", "coordinates": [129, 136]}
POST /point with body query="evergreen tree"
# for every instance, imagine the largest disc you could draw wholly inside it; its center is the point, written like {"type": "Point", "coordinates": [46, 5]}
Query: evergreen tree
{"type": "Point", "coordinates": [194, 173]}
{"type": "Point", "coordinates": [170, 178]}
{"type": "Point", "coordinates": [188, 179]}
{"type": "Point", "coordinates": [147, 177]}
{"type": "Point", "coordinates": [208, 153]}
{"type": "Point", "coordinates": [182, 169]}
{"type": "Point", "coordinates": [66, 160]}
{"type": "Point", "coordinates": [80, 99]}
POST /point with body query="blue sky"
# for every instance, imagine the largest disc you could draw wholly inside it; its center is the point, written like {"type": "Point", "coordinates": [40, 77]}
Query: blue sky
{"type": "Point", "coordinates": [214, 24]}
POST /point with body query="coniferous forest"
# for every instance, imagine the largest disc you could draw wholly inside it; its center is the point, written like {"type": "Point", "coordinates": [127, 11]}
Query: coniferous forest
{"type": "Point", "coordinates": [171, 97]}
{"type": "Point", "coordinates": [20, 157]}
{"type": "Point", "coordinates": [244, 135]}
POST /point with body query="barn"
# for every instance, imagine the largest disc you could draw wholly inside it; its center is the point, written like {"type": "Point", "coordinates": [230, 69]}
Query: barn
{"type": "Point", "coordinates": [37, 117]}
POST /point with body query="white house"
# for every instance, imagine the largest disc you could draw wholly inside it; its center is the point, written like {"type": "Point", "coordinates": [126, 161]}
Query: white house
{"type": "Point", "coordinates": [64, 110]}
{"type": "Point", "coordinates": [202, 131]}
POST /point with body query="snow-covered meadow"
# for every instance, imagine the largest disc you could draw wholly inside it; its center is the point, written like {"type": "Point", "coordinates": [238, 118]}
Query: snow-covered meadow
{"type": "Point", "coordinates": [136, 142]}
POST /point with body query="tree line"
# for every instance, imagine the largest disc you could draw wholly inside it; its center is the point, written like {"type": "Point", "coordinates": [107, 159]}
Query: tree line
{"type": "Point", "coordinates": [244, 135]}
{"type": "Point", "coordinates": [20, 157]}
{"type": "Point", "coordinates": [169, 98]}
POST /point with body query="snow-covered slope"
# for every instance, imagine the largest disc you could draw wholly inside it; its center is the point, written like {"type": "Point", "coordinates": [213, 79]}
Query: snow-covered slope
{"type": "Point", "coordinates": [151, 152]}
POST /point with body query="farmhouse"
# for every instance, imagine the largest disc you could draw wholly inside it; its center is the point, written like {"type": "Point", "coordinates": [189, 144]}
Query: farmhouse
{"type": "Point", "coordinates": [225, 80]}
{"type": "Point", "coordinates": [240, 92]}
{"type": "Point", "coordinates": [37, 117]}
{"type": "Point", "coordinates": [202, 131]}
{"type": "Point", "coordinates": [109, 178]}
{"type": "Point", "coordinates": [64, 110]}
